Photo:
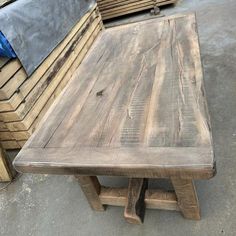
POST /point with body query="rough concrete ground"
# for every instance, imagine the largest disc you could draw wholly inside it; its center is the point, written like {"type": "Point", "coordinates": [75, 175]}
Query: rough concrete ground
{"type": "Point", "coordinates": [54, 205]}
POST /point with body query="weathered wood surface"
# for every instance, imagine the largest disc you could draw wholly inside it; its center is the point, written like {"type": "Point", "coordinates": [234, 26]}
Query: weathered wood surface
{"type": "Point", "coordinates": [7, 172]}
{"type": "Point", "coordinates": [9, 69]}
{"type": "Point", "coordinates": [21, 113]}
{"type": "Point", "coordinates": [14, 93]}
{"type": "Point", "coordinates": [25, 134]}
{"type": "Point", "coordinates": [136, 107]}
{"type": "Point", "coordinates": [110, 8]}
{"type": "Point", "coordinates": [135, 205]}
{"type": "Point", "coordinates": [187, 198]}
{"type": "Point", "coordinates": [154, 198]}
{"type": "Point", "coordinates": [53, 76]}
{"type": "Point", "coordinates": [91, 188]}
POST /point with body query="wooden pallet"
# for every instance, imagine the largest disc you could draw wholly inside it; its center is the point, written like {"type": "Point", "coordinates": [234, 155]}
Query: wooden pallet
{"type": "Point", "coordinates": [25, 100]}
{"type": "Point", "coordinates": [113, 8]}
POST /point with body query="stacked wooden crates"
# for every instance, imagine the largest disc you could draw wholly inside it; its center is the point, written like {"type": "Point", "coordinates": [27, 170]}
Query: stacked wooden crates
{"type": "Point", "coordinates": [25, 99]}
{"type": "Point", "coordinates": [114, 8]}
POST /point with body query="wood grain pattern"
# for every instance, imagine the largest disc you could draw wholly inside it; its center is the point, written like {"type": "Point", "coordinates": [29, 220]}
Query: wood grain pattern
{"type": "Point", "coordinates": [8, 70]}
{"type": "Point", "coordinates": [135, 205]}
{"type": "Point", "coordinates": [50, 78]}
{"type": "Point", "coordinates": [7, 171]}
{"type": "Point", "coordinates": [10, 82]}
{"type": "Point", "coordinates": [159, 199]}
{"type": "Point", "coordinates": [154, 198]}
{"type": "Point", "coordinates": [38, 81]}
{"type": "Point", "coordinates": [135, 107]}
{"type": "Point", "coordinates": [25, 134]}
{"type": "Point", "coordinates": [38, 105]}
{"type": "Point", "coordinates": [187, 198]}
{"type": "Point", "coordinates": [91, 188]}
{"type": "Point", "coordinates": [111, 9]}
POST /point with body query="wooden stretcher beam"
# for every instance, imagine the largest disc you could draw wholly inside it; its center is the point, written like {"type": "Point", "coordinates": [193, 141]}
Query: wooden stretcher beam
{"type": "Point", "coordinates": [154, 198]}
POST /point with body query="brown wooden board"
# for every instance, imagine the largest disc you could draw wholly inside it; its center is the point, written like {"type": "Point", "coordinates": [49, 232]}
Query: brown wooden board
{"type": "Point", "coordinates": [8, 70]}
{"type": "Point", "coordinates": [28, 119]}
{"type": "Point", "coordinates": [49, 77]}
{"type": "Point", "coordinates": [6, 170]}
{"type": "Point", "coordinates": [24, 135]}
{"type": "Point", "coordinates": [136, 107]}
{"type": "Point", "coordinates": [10, 144]}
{"type": "Point", "coordinates": [13, 92]}
{"type": "Point", "coordinates": [111, 9]}
{"type": "Point", "coordinates": [3, 61]}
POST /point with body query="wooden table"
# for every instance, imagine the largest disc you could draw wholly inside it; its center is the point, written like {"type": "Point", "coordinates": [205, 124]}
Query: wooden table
{"type": "Point", "coordinates": [136, 107]}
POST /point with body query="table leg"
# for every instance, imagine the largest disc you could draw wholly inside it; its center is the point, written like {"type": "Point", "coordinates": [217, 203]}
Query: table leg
{"type": "Point", "coordinates": [91, 188]}
{"type": "Point", "coordinates": [135, 205]}
{"type": "Point", "coordinates": [187, 198]}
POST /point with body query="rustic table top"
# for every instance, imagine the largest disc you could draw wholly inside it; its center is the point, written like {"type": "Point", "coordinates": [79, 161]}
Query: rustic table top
{"type": "Point", "coordinates": [135, 107]}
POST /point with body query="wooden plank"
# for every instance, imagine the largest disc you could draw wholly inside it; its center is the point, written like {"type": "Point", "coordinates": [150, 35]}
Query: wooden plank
{"type": "Point", "coordinates": [110, 16]}
{"type": "Point", "coordinates": [33, 113]}
{"type": "Point", "coordinates": [91, 188]}
{"type": "Point", "coordinates": [24, 135]}
{"type": "Point", "coordinates": [6, 135]}
{"type": "Point", "coordinates": [160, 129]}
{"type": "Point", "coordinates": [144, 116]}
{"type": "Point", "coordinates": [3, 61]}
{"type": "Point", "coordinates": [159, 199]}
{"type": "Point", "coordinates": [47, 78]}
{"type": "Point", "coordinates": [3, 126]}
{"type": "Point", "coordinates": [9, 70]}
{"type": "Point", "coordinates": [132, 10]}
{"type": "Point", "coordinates": [21, 135]}
{"type": "Point", "coordinates": [21, 142]}
{"type": "Point", "coordinates": [187, 198]}
{"type": "Point", "coordinates": [154, 198]}
{"type": "Point", "coordinates": [11, 85]}
{"type": "Point", "coordinates": [26, 87]}
{"type": "Point", "coordinates": [130, 162]}
{"type": "Point", "coordinates": [10, 144]}
{"type": "Point", "coordinates": [127, 4]}
{"type": "Point", "coordinates": [121, 6]}
{"type": "Point", "coordinates": [113, 196]}
{"type": "Point", "coordinates": [132, 7]}
{"type": "Point", "coordinates": [6, 170]}
{"type": "Point", "coordinates": [135, 205]}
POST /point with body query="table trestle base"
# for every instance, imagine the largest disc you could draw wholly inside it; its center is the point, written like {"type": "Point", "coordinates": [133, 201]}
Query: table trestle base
{"type": "Point", "coordinates": [137, 197]}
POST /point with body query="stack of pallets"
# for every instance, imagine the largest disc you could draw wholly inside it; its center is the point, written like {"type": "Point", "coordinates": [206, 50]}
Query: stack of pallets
{"type": "Point", "coordinates": [114, 8]}
{"type": "Point", "coordinates": [25, 99]}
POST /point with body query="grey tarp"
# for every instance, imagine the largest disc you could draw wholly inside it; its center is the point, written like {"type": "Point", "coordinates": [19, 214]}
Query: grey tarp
{"type": "Point", "coordinates": [35, 27]}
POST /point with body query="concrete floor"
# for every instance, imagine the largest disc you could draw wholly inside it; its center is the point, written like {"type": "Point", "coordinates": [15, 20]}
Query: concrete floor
{"type": "Point", "coordinates": [55, 205]}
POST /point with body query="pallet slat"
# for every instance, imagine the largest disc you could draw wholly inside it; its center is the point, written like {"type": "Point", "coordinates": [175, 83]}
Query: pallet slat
{"type": "Point", "coordinates": [32, 96]}
{"type": "Point", "coordinates": [48, 78]}
{"type": "Point", "coordinates": [110, 8]}
{"type": "Point", "coordinates": [24, 135]}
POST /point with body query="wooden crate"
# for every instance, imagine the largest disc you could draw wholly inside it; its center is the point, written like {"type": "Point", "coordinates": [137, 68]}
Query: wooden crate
{"type": "Point", "coordinates": [24, 100]}
{"type": "Point", "coordinates": [113, 8]}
